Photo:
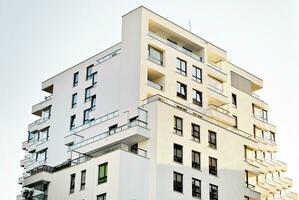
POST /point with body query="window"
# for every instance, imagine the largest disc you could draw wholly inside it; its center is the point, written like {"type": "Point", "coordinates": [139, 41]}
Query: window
{"type": "Point", "coordinates": [83, 180]}
{"type": "Point", "coordinates": [213, 192]}
{"type": "Point", "coordinates": [178, 125]}
{"type": "Point", "coordinates": [72, 122]}
{"type": "Point", "coordinates": [87, 94]}
{"type": "Point", "coordinates": [212, 139]}
{"type": "Point", "coordinates": [86, 116]}
{"type": "Point", "coordinates": [213, 166]}
{"type": "Point", "coordinates": [196, 188]}
{"type": "Point", "coordinates": [93, 103]}
{"type": "Point", "coordinates": [76, 79]}
{"type": "Point", "coordinates": [234, 100]}
{"type": "Point", "coordinates": [74, 100]}
{"type": "Point", "coordinates": [41, 156]}
{"type": "Point", "coordinates": [177, 153]}
{"type": "Point", "coordinates": [72, 183]}
{"type": "Point", "coordinates": [94, 79]}
{"type": "Point", "coordinates": [89, 72]}
{"type": "Point", "coordinates": [102, 176]}
{"type": "Point", "coordinates": [112, 129]}
{"type": "Point", "coordinates": [272, 137]}
{"type": "Point", "coordinates": [101, 197]}
{"type": "Point", "coordinates": [181, 90]}
{"type": "Point", "coordinates": [46, 113]}
{"type": "Point", "coordinates": [43, 134]}
{"type": "Point", "coordinates": [196, 132]}
{"type": "Point", "coordinates": [195, 160]}
{"type": "Point", "coordinates": [246, 198]}
{"type": "Point", "coordinates": [155, 55]}
{"type": "Point", "coordinates": [197, 97]}
{"type": "Point", "coordinates": [197, 74]}
{"type": "Point", "coordinates": [178, 182]}
{"type": "Point", "coordinates": [181, 66]}
{"type": "Point", "coordinates": [236, 121]}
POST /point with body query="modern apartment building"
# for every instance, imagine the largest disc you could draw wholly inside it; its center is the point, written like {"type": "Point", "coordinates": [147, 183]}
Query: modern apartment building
{"type": "Point", "coordinates": [162, 115]}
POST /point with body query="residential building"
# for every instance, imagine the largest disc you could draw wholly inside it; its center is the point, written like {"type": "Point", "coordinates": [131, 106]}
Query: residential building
{"type": "Point", "coordinates": [161, 115]}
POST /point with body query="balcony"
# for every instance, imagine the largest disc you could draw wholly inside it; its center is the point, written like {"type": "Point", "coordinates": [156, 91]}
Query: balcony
{"type": "Point", "coordinates": [256, 166]}
{"type": "Point", "coordinates": [155, 79]}
{"type": "Point", "coordinates": [32, 164]}
{"type": "Point", "coordinates": [217, 72]}
{"type": "Point", "coordinates": [263, 123]}
{"type": "Point", "coordinates": [130, 133]}
{"type": "Point", "coordinates": [220, 114]}
{"type": "Point", "coordinates": [25, 145]}
{"type": "Point", "coordinates": [94, 122]}
{"type": "Point", "coordinates": [281, 165]}
{"type": "Point", "coordinates": [286, 182]}
{"type": "Point", "coordinates": [216, 96]}
{"type": "Point", "coordinates": [34, 125]}
{"type": "Point", "coordinates": [37, 108]}
{"type": "Point", "coordinates": [175, 46]}
{"type": "Point", "coordinates": [292, 195]}
{"type": "Point", "coordinates": [35, 194]}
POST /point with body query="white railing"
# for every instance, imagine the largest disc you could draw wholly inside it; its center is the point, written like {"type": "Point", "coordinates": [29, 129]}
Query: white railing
{"type": "Point", "coordinates": [154, 85]}
{"type": "Point", "coordinates": [171, 44]}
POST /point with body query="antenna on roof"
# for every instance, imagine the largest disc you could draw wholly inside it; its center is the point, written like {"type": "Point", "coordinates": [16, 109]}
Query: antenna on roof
{"type": "Point", "coordinates": [189, 25]}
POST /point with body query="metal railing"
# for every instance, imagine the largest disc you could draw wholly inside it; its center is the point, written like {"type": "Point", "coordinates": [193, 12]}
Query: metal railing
{"type": "Point", "coordinates": [108, 133]}
{"type": "Point", "coordinates": [171, 44]}
{"type": "Point", "coordinates": [216, 67]}
{"type": "Point", "coordinates": [109, 56]}
{"type": "Point", "coordinates": [155, 85]}
{"type": "Point", "coordinates": [94, 122]}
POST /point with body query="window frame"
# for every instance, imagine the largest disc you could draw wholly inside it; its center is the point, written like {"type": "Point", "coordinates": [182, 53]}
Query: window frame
{"type": "Point", "coordinates": [178, 153]}
{"type": "Point", "coordinates": [74, 100]}
{"type": "Point", "coordinates": [196, 93]}
{"type": "Point", "coordinates": [72, 183]}
{"type": "Point", "coordinates": [83, 180]}
{"type": "Point", "coordinates": [181, 87]}
{"type": "Point", "coordinates": [195, 72]}
{"type": "Point", "coordinates": [178, 186]}
{"type": "Point", "coordinates": [72, 122]}
{"type": "Point", "coordinates": [195, 164]}
{"type": "Point", "coordinates": [87, 96]}
{"type": "Point", "coordinates": [102, 196]}
{"type": "Point", "coordinates": [180, 69]}
{"type": "Point", "coordinates": [177, 130]}
{"type": "Point", "coordinates": [213, 166]}
{"type": "Point", "coordinates": [212, 144]}
{"type": "Point", "coordinates": [195, 133]}
{"type": "Point", "coordinates": [103, 179]}
{"type": "Point", "coordinates": [93, 102]}
{"type": "Point", "coordinates": [234, 100]}
{"type": "Point", "coordinates": [75, 79]}
{"type": "Point", "coordinates": [195, 187]}
{"type": "Point", "coordinates": [89, 72]}
{"type": "Point", "coordinates": [153, 58]}
{"type": "Point", "coordinates": [213, 188]}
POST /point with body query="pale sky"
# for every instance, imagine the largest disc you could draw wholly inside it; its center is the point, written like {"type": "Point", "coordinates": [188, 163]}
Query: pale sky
{"type": "Point", "coordinates": [39, 39]}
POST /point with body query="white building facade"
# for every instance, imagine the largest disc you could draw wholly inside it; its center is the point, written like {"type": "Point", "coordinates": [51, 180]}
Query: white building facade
{"type": "Point", "coordinates": [161, 115]}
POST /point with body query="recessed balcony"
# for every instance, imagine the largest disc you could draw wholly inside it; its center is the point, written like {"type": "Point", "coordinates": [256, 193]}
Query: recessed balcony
{"type": "Point", "coordinates": [217, 72]}
{"type": "Point", "coordinates": [155, 79]}
{"type": "Point", "coordinates": [220, 114]}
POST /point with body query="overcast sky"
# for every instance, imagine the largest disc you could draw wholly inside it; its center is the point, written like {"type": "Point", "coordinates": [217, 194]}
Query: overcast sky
{"type": "Point", "coordinates": [39, 39]}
